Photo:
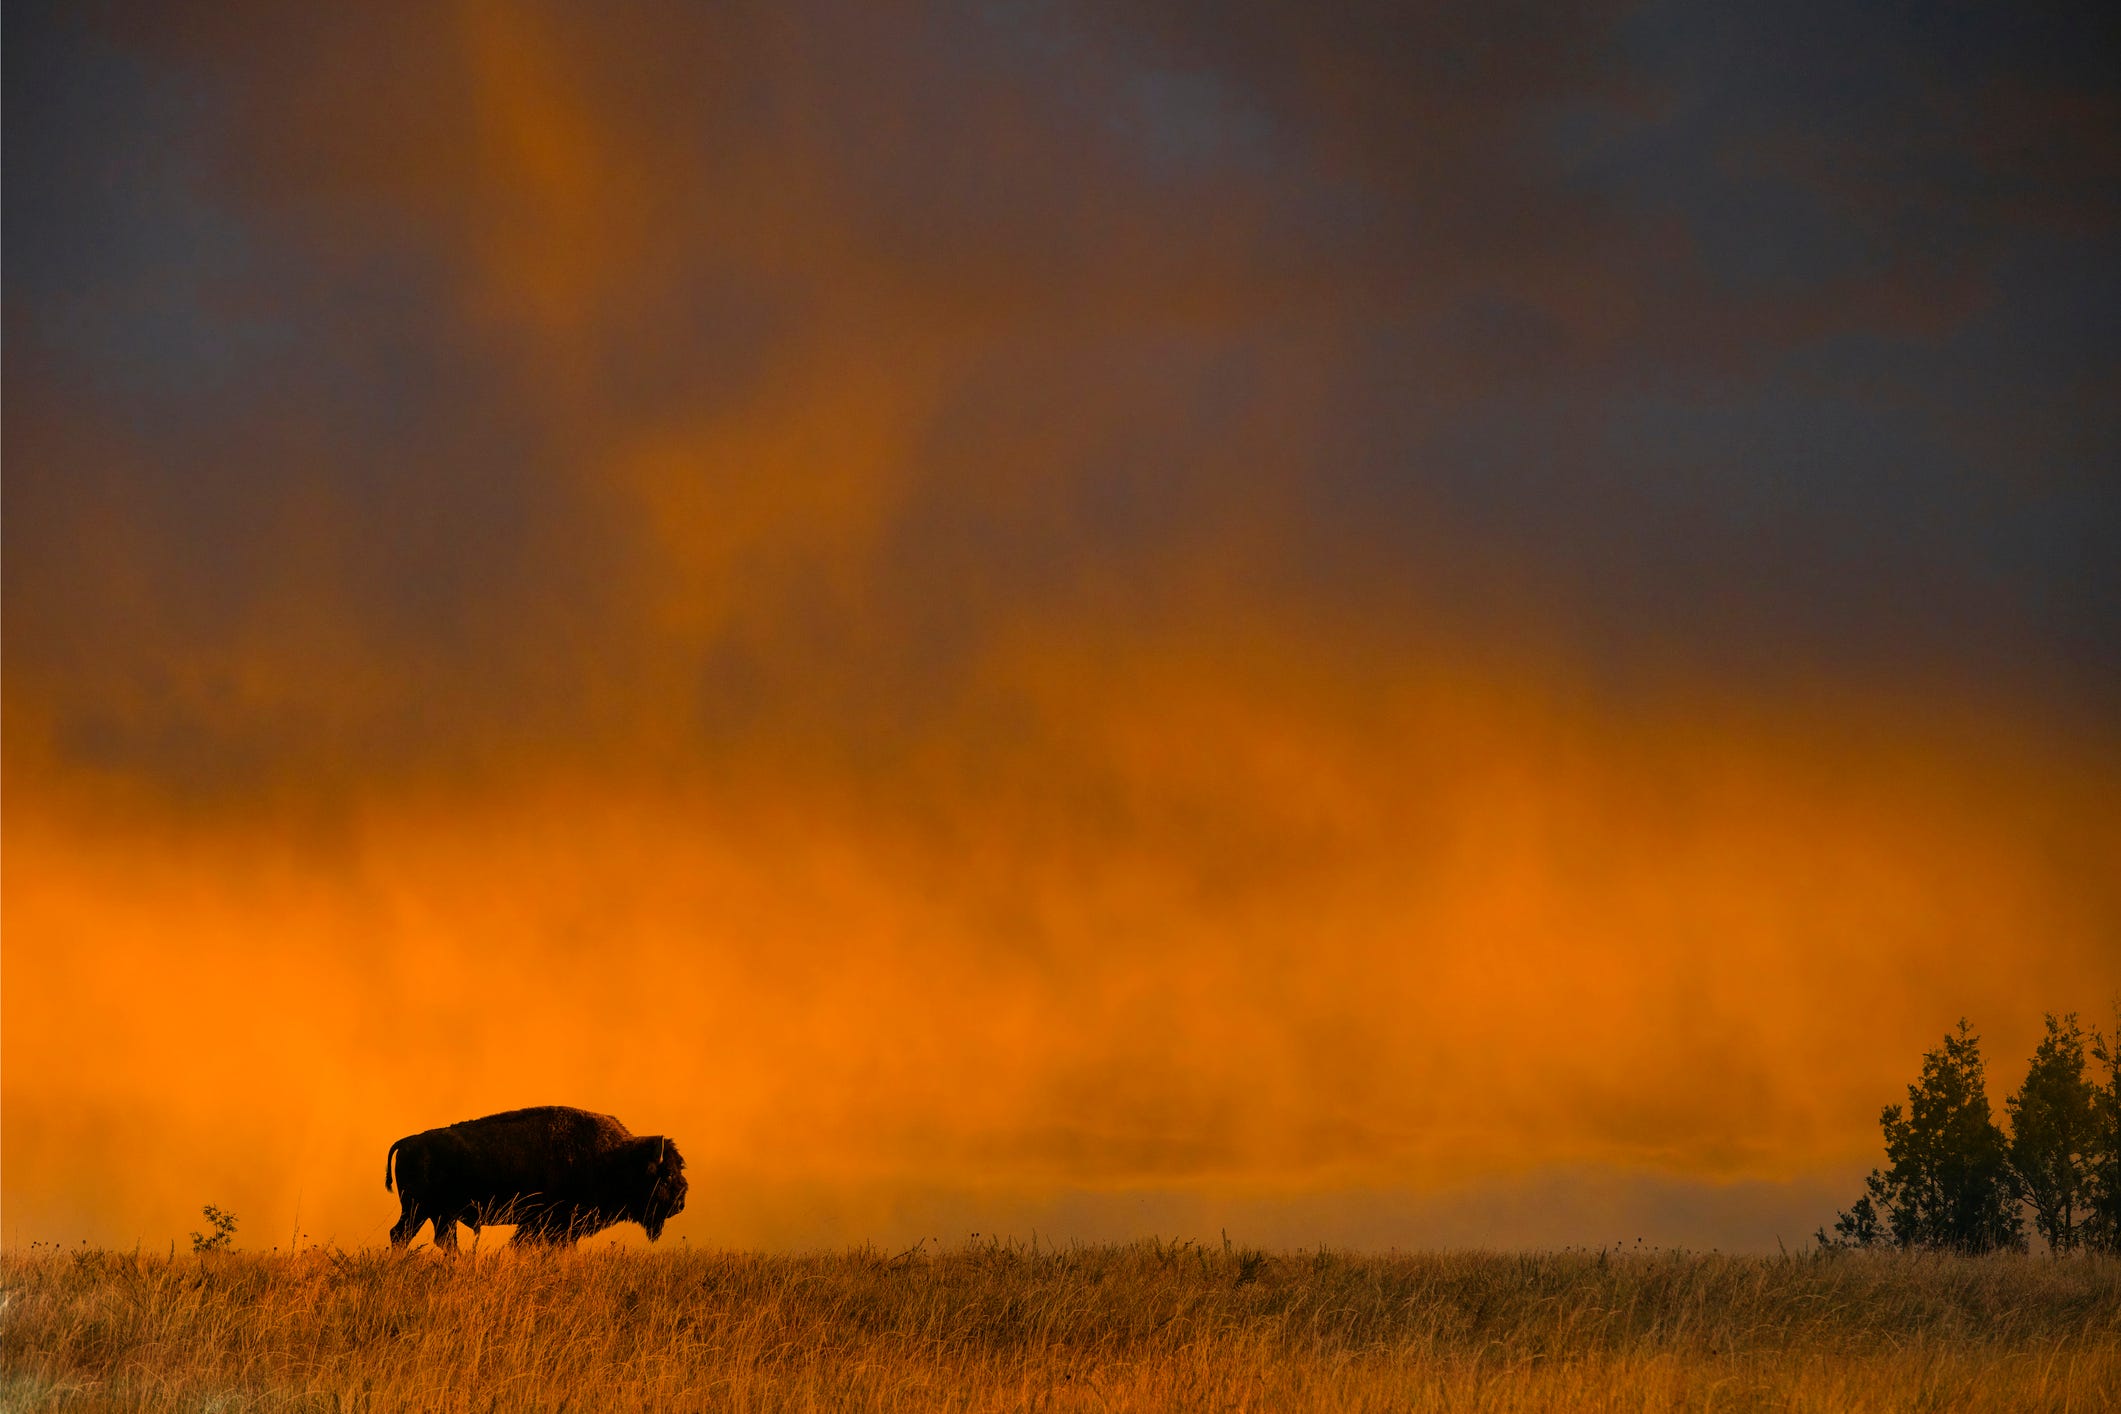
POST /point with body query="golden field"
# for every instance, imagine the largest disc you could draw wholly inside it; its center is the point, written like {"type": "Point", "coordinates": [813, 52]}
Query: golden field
{"type": "Point", "coordinates": [1148, 1326]}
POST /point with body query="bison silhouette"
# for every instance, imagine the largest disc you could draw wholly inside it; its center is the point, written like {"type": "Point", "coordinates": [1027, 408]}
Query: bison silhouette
{"type": "Point", "coordinates": [556, 1172]}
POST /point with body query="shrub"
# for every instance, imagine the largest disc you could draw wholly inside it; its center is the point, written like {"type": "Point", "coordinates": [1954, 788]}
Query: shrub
{"type": "Point", "coordinates": [224, 1235]}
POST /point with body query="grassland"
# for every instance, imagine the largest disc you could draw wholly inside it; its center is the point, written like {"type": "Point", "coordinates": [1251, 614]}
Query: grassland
{"type": "Point", "coordinates": [1148, 1326]}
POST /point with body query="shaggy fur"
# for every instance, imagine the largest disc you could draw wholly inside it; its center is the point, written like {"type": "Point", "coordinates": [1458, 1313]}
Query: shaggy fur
{"type": "Point", "coordinates": [555, 1172]}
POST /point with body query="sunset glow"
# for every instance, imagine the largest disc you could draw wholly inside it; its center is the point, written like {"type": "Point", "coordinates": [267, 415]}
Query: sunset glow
{"type": "Point", "coordinates": [999, 620]}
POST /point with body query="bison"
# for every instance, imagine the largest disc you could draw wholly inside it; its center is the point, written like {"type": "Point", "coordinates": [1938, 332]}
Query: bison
{"type": "Point", "coordinates": [556, 1172]}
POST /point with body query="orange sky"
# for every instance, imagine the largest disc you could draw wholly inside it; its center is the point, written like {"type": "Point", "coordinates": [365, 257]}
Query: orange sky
{"type": "Point", "coordinates": [1163, 918]}
{"type": "Point", "coordinates": [873, 617]}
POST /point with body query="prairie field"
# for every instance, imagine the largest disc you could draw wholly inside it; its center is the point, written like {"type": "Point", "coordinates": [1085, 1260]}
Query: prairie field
{"type": "Point", "coordinates": [1149, 1326]}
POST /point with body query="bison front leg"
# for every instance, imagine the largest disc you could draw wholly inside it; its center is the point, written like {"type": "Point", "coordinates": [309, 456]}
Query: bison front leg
{"type": "Point", "coordinates": [545, 1228]}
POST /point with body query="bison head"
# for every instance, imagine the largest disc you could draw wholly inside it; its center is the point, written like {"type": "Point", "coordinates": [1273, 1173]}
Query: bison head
{"type": "Point", "coordinates": [662, 1184]}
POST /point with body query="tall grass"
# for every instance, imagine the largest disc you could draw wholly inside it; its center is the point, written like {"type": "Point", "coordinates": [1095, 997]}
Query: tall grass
{"type": "Point", "coordinates": [1143, 1326]}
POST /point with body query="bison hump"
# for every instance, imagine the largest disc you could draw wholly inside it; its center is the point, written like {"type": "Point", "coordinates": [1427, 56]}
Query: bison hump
{"type": "Point", "coordinates": [561, 1126]}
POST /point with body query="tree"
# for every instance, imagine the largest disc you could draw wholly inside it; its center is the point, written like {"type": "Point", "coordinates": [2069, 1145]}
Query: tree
{"type": "Point", "coordinates": [2102, 1199]}
{"type": "Point", "coordinates": [1947, 1183]}
{"type": "Point", "coordinates": [2052, 1135]}
{"type": "Point", "coordinates": [1858, 1227]}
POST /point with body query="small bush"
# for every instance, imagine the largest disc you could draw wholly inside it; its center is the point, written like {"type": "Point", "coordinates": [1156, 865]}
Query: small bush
{"type": "Point", "coordinates": [224, 1235]}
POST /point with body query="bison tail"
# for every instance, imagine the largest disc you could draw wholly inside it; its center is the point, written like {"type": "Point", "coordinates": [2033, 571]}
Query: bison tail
{"type": "Point", "coordinates": [393, 1153]}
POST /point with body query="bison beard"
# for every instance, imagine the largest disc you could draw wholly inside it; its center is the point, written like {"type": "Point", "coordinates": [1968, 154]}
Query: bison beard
{"type": "Point", "coordinates": [557, 1173]}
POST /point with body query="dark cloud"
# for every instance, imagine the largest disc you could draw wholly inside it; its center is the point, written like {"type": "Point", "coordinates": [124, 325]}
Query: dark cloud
{"type": "Point", "coordinates": [1798, 321]}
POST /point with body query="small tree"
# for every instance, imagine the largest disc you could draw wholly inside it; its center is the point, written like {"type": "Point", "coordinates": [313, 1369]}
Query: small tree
{"type": "Point", "coordinates": [2052, 1138]}
{"type": "Point", "coordinates": [1858, 1227]}
{"type": "Point", "coordinates": [1947, 1183]}
{"type": "Point", "coordinates": [2102, 1197]}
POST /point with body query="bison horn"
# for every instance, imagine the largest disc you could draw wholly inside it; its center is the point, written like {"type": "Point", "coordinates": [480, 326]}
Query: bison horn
{"type": "Point", "coordinates": [664, 1151]}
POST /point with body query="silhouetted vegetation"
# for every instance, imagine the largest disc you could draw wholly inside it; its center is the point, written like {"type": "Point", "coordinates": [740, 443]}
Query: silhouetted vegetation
{"type": "Point", "coordinates": [223, 1223]}
{"type": "Point", "coordinates": [2053, 1137]}
{"type": "Point", "coordinates": [2102, 1227]}
{"type": "Point", "coordinates": [1954, 1181]}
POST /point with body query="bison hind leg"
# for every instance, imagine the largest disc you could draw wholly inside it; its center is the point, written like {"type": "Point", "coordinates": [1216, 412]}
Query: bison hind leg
{"type": "Point", "coordinates": [408, 1224]}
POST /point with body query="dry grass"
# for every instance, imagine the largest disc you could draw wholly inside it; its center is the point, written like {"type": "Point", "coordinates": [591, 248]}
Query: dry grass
{"type": "Point", "coordinates": [1146, 1326]}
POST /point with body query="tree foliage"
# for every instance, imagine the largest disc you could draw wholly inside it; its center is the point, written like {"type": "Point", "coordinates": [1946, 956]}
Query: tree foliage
{"type": "Point", "coordinates": [2053, 1142]}
{"type": "Point", "coordinates": [1948, 1182]}
{"type": "Point", "coordinates": [2102, 1197]}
